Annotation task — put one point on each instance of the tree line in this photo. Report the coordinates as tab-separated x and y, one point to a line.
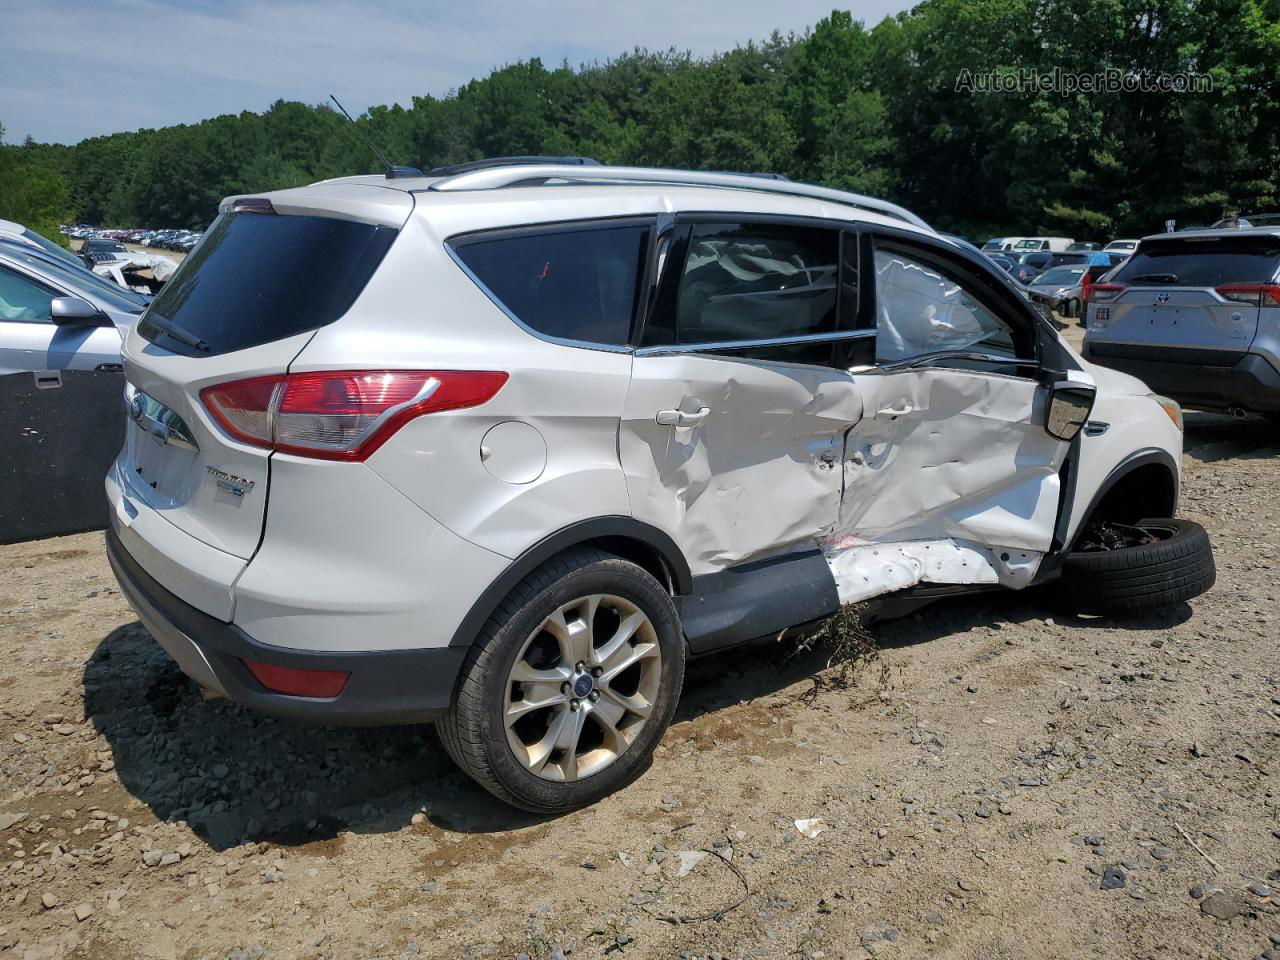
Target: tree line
876	110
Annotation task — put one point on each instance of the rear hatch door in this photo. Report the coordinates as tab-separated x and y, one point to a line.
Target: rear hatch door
1197	298
243	304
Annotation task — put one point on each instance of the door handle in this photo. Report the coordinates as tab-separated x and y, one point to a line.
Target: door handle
900	411
678	418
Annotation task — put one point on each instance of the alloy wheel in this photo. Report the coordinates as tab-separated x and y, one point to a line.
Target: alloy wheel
582	687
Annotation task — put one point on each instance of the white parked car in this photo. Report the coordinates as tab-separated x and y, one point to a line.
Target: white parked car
1035	244
1121	246
504	446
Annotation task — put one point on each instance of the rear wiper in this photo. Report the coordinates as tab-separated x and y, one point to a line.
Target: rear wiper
177	332
1156	278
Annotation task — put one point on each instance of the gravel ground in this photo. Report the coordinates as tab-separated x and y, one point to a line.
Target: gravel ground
1002	782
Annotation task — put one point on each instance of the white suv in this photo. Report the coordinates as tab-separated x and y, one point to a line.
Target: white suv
501	447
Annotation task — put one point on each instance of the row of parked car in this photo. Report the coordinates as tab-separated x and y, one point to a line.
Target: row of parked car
166	239
1056	271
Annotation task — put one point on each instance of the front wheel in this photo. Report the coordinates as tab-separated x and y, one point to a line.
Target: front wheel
1133	568
570	685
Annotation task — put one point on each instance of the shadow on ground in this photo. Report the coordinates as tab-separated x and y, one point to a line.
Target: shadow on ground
1213	436
236	776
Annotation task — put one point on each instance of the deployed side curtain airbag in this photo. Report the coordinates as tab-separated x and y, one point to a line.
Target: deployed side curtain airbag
921	311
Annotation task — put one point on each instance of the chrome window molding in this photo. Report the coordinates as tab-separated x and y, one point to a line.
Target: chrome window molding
925	359
724	345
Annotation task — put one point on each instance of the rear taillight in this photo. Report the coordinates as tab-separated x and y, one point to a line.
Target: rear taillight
244	407
1102	292
341	415
1254	294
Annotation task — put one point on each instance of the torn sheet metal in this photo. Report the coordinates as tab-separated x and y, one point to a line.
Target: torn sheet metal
913	476
122	269
949	478
864	569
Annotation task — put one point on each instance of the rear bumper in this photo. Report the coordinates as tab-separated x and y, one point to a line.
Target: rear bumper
1249	381
385	687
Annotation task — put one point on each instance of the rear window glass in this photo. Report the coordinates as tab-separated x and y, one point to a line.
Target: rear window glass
1202	263
576	284
1061	275
261	277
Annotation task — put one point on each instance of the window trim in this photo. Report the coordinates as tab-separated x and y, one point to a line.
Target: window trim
667	286
985	286
644	272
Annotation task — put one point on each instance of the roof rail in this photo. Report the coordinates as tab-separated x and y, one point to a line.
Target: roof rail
507	175
485	164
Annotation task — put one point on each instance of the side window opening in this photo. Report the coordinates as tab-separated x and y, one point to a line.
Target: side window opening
578	283
757	282
752	284
24	300
923	308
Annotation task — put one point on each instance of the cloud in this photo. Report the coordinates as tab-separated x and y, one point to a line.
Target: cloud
70	72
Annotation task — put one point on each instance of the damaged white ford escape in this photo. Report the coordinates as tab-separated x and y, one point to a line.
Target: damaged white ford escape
502	446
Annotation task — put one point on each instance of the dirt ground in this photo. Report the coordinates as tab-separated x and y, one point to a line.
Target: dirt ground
1005	781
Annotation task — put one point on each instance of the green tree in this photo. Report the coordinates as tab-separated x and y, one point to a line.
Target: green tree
872	110
33	191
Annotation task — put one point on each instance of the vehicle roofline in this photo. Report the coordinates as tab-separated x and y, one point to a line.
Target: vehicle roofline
1216	232
656	181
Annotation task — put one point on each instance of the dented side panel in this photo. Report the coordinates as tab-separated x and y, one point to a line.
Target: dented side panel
949	478
758	474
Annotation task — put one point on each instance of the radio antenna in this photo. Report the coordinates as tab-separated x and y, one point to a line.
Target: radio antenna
392	171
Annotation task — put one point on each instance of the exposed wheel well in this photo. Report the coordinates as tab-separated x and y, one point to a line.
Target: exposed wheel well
1150	490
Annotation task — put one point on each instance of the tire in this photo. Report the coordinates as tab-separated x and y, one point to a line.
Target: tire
528	637
1143	577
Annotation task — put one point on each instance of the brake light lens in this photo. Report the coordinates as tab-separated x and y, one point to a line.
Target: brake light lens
1102	292
342	414
243	408
253	205
1254	294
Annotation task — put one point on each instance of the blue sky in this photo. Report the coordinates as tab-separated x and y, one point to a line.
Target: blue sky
71	69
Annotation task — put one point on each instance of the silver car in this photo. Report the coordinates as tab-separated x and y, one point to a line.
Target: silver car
1061	287
59	316
1196	315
